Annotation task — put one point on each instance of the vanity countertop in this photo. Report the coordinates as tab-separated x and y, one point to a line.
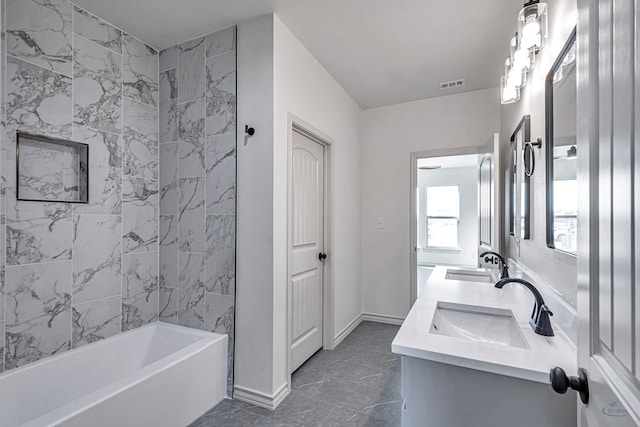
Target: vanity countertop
415	340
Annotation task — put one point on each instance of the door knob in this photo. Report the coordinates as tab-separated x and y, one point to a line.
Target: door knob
322	256
561	383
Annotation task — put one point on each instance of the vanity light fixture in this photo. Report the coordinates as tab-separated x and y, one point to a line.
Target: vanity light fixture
523	47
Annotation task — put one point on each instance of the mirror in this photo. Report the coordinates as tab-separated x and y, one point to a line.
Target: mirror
519	191
561	150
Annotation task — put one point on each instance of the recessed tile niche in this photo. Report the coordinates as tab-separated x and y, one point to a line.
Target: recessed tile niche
51	169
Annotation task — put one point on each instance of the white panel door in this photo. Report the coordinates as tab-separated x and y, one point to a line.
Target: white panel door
609	211
306	228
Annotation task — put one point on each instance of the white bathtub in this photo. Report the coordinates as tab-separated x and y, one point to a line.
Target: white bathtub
157	375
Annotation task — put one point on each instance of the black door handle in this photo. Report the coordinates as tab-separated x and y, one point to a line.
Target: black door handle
322	256
561	383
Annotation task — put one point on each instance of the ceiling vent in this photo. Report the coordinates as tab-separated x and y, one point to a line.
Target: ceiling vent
453	83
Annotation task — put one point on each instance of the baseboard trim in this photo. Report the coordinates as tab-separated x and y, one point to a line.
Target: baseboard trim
365	317
259	398
346	331
391	320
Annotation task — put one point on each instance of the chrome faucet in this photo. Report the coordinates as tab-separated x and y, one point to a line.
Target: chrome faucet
539	321
502	263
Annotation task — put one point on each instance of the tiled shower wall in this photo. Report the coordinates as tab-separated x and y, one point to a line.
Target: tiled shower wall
78	273
198	183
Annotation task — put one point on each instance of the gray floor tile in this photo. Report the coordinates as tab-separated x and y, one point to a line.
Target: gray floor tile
388	361
387	410
356	384
350	394
274	421
302	409
365	420
238	417
307	382
339	416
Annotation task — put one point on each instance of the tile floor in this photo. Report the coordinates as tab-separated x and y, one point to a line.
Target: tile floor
357	384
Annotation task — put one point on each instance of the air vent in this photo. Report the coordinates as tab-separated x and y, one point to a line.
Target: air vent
453	83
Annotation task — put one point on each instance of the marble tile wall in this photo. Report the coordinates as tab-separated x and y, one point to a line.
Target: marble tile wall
197	103
77	273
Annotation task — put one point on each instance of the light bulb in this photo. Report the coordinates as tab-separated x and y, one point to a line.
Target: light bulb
521	59
531	32
558	75
571	56
532	25
515	78
508	93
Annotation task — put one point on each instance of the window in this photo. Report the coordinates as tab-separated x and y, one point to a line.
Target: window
443	216
565	215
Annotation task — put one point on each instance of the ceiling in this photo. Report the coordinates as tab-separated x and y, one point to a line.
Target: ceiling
382	53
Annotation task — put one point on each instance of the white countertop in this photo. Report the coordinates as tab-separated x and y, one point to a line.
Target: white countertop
413	338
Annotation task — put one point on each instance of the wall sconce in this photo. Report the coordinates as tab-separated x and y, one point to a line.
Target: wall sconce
523	47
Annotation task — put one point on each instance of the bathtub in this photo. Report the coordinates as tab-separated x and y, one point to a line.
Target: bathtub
157	375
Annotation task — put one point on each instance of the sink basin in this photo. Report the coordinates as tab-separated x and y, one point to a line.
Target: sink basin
469	275
479	324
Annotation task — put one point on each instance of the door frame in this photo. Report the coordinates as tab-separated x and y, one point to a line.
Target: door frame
413	208
588	183
296	124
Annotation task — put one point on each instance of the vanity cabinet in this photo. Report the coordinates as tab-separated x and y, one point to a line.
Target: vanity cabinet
444	395
469	356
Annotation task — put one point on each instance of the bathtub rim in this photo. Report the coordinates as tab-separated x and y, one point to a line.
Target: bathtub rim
104	341
69	410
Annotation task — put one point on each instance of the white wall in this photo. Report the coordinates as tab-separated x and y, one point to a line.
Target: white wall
557	269
389	135
305	89
466	178
254	262
278	76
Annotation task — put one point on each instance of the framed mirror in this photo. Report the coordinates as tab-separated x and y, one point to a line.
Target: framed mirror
562	150
520	181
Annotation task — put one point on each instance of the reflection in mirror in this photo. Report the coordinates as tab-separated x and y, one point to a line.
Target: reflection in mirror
512	185
562	150
519	195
